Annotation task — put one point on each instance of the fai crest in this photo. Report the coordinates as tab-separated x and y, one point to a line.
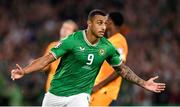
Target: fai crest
101	51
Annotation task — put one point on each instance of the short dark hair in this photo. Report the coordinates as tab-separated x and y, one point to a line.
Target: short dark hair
117	18
95	12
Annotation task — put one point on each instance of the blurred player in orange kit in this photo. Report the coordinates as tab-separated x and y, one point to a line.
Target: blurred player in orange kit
107	84
68	27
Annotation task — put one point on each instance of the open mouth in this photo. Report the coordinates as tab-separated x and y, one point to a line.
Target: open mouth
101	32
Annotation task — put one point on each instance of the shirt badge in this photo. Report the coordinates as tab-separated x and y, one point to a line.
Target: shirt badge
101	51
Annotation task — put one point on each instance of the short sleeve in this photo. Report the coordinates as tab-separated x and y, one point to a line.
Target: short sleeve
114	58
62	47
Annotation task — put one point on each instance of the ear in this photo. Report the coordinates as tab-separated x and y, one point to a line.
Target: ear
89	23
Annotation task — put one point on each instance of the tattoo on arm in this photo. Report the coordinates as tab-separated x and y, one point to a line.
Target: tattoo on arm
128	74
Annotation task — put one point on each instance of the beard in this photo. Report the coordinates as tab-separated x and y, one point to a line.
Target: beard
96	34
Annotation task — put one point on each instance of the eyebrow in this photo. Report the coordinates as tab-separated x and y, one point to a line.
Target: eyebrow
99	20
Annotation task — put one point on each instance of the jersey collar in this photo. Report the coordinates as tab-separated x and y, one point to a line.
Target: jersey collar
86	40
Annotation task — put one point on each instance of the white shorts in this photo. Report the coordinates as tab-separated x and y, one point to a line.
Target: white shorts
79	100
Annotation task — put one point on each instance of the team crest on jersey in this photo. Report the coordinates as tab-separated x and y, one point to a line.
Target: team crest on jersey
58	45
101	51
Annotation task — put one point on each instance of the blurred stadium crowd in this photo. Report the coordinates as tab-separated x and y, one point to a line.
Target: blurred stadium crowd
152	29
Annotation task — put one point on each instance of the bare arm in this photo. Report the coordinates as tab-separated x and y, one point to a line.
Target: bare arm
39	63
48	49
46	69
36	65
128	74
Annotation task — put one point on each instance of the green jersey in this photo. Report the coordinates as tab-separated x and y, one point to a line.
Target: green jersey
80	63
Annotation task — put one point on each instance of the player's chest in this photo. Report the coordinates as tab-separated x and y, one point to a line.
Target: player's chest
90	55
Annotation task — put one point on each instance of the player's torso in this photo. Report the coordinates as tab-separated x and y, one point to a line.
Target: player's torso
87	55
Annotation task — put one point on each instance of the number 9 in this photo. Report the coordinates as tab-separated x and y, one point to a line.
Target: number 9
90	59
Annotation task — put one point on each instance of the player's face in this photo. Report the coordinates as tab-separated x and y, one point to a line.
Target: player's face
98	25
66	29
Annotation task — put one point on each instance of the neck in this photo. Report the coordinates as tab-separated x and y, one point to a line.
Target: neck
113	31
91	37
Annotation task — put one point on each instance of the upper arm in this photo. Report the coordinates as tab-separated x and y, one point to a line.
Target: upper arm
114	59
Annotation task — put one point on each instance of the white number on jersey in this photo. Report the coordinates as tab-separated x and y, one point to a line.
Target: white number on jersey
90	59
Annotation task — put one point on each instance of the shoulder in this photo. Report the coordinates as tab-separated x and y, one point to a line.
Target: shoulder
117	36
106	42
122	37
109	46
118	40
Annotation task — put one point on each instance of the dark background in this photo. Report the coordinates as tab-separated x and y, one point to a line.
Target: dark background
152	29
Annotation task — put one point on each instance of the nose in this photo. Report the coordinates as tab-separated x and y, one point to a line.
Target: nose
104	27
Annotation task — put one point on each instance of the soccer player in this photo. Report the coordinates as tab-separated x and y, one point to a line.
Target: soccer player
82	55
67	28
108	82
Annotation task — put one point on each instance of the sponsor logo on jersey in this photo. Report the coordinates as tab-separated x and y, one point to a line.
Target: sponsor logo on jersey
81	48
87	67
101	51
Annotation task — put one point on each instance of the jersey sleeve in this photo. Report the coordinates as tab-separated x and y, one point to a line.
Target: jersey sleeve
114	58
62	47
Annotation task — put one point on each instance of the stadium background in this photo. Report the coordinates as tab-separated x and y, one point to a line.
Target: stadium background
152	29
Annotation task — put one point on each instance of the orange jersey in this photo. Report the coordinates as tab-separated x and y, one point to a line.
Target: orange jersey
53	65
112	88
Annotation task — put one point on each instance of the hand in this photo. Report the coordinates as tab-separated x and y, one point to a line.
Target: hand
153	86
17	73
